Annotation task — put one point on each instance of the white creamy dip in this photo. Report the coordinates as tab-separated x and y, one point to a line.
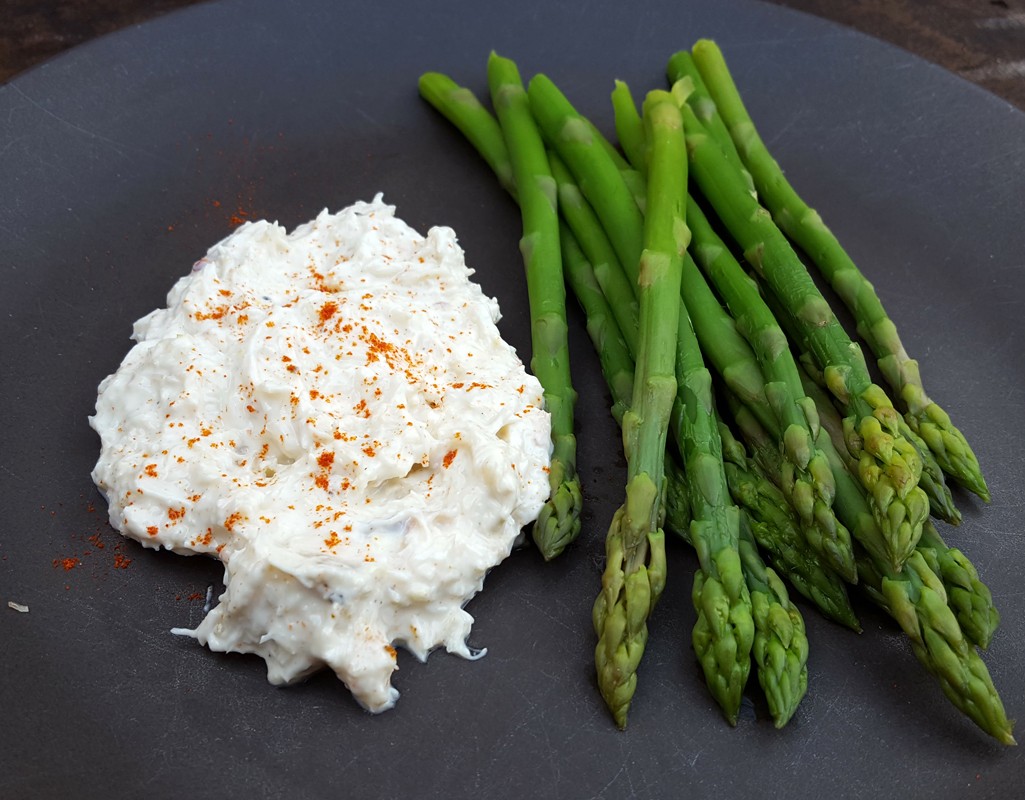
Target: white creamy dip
333	414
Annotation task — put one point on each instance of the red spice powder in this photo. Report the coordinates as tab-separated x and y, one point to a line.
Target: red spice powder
327	311
450	456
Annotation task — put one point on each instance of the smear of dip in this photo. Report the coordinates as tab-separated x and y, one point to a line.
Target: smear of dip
334	415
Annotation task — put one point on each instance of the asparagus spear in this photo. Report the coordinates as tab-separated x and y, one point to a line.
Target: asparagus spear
776	530
600	181
888	465
559	521
723	633
581	219
806	480
969	598
613	352
806	228
916	599
780	643
629	129
932	482
681	66
635	548
461	107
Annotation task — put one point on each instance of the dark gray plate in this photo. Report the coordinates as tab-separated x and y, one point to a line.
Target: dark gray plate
124	160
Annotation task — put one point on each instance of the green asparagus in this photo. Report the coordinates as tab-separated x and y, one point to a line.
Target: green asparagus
559	521
780	643
888	465
806	480
635	548
806	228
776	530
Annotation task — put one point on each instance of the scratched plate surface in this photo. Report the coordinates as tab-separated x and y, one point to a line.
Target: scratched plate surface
122	161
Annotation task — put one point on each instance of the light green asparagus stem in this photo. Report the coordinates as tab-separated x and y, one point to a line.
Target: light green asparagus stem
806	478
579	146
681	66
888	465
629	129
559	521
581	219
941	504
780	642
635	547
806	228
633	178
462	108
776	529
613	352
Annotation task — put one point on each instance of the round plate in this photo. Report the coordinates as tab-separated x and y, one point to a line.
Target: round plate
124	160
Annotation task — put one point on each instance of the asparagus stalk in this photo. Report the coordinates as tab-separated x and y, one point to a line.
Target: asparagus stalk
888	465
559	521
806	479
723	634
617	364
599	179
681	67
724	630
629	128
932	482
461	107
635	549
969	598
806	227
780	642
776	530
916	599
607	270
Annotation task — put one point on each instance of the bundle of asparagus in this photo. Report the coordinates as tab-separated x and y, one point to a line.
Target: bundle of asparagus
751	425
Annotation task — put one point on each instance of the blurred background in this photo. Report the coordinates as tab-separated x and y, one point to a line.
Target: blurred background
983	41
